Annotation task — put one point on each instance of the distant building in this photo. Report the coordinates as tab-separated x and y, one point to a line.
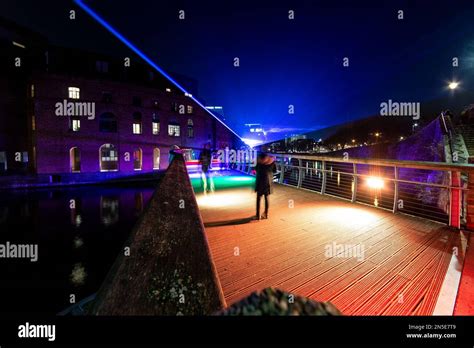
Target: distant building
294	137
254	134
218	111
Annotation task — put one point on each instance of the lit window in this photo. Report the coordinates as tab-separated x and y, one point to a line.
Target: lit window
156	128
109	155
190	109
76	125
32	91
137	123
137	128
168	90
173	130
155	125
137	159
108	158
74	92
33	122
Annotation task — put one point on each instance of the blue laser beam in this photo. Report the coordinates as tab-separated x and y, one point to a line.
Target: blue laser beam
131	46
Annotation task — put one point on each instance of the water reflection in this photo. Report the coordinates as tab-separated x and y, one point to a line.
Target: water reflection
138	203
109	210
3	214
78	274
77	244
75	206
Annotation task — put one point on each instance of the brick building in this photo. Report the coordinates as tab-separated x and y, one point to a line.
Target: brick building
83	112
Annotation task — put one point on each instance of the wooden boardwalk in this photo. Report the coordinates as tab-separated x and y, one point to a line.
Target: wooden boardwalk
366	261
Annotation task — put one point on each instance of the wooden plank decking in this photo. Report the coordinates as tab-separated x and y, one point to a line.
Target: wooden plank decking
399	269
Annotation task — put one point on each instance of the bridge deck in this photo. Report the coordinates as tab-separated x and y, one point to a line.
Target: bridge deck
399	269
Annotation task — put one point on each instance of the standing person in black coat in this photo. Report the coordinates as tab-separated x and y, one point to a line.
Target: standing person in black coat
264	181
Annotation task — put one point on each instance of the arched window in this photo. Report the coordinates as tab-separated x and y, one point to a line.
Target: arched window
137	159
156	158
190	128
108	123
75	160
108	157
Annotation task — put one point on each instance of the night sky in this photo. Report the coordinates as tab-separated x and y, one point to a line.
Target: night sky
282	62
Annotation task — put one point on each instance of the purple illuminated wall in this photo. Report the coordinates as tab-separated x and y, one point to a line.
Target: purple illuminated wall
54	139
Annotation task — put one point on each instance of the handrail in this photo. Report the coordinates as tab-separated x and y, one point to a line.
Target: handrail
438	199
462	167
383	177
139	283
448	128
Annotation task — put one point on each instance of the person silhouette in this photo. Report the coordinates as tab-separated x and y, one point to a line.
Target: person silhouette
264	182
205	159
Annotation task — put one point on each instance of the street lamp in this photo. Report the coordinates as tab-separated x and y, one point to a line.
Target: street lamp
375	182
453	85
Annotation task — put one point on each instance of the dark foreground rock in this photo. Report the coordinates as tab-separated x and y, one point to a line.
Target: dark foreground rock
276	302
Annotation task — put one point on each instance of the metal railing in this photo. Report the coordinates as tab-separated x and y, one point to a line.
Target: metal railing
430	190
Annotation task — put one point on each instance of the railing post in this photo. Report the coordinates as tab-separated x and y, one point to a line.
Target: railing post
470	201
455	200
282	170
354	192
300	173
395	189
323	185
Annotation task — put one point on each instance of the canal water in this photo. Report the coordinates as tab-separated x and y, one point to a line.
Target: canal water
79	232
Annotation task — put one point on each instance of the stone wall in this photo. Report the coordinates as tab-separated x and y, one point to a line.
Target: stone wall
170	270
